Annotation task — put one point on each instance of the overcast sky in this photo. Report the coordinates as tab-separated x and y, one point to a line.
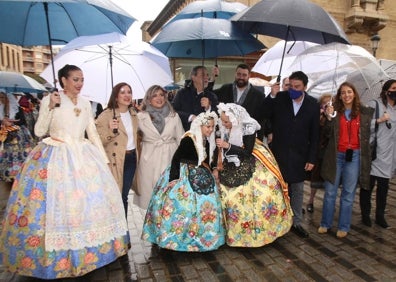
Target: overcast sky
142	10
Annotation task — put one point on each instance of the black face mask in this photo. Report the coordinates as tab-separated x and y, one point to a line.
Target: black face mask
392	95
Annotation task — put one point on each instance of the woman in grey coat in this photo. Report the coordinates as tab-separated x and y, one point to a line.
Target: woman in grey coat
383	167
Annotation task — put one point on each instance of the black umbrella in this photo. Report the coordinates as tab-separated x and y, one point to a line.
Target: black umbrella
291	20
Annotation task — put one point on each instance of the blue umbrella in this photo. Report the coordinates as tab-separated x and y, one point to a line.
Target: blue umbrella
291	20
17	82
203	38
29	23
215	9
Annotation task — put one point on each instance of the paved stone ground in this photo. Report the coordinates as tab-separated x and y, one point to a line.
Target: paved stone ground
366	254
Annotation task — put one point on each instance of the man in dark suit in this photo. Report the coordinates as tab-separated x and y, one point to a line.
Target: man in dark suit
194	98
241	92
294	116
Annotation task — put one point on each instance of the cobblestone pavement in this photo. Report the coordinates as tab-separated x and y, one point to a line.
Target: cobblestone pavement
366	254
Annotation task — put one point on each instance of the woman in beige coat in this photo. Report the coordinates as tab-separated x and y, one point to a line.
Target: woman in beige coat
161	130
117	127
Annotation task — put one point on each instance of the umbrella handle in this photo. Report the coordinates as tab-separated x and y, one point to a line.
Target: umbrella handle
54	89
115	130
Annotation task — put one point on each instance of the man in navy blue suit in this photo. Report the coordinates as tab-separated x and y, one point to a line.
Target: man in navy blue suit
294	117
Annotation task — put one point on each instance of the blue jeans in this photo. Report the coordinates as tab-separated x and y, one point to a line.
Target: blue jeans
129	173
348	174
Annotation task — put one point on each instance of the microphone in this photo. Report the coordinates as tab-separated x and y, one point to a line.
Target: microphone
220	152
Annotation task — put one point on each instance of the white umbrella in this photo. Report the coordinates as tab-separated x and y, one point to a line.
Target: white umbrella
269	63
112	60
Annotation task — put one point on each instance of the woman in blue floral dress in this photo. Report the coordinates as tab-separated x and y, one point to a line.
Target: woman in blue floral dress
184	213
64	216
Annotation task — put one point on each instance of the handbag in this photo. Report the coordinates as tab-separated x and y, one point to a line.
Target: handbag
373	144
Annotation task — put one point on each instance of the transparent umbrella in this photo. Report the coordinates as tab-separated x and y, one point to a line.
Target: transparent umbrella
270	62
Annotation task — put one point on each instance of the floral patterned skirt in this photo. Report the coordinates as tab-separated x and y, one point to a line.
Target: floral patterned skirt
259	211
86	208
13	153
182	218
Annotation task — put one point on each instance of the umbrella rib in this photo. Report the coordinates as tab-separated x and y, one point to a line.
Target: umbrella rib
25	27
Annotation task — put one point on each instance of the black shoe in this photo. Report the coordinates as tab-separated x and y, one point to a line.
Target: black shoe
310	208
300	231
382	222
366	221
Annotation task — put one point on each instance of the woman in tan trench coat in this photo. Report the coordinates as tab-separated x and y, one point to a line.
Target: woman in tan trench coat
161	130
117	128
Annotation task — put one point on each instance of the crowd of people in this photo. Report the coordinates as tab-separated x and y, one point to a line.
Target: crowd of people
211	167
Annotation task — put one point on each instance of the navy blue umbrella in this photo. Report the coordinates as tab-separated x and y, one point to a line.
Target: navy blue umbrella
215	9
291	20
204	38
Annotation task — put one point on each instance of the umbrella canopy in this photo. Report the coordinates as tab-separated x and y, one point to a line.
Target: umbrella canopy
331	57
215	9
368	82
17	82
389	66
26	21
331	64
44	22
270	62
114	59
204	38
291	20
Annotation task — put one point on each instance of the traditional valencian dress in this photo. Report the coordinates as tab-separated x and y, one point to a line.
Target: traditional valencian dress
16	142
65	215
253	193
184	213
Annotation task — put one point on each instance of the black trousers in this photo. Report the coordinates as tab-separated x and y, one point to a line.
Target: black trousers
382	193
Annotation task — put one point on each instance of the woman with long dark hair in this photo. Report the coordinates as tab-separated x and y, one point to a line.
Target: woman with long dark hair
346	159
117	128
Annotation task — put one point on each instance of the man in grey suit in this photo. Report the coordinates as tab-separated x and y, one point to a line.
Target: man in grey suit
294	116
243	93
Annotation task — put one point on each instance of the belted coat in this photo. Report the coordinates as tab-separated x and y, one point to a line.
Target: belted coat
115	144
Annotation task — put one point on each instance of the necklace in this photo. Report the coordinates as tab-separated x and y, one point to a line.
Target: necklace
77	111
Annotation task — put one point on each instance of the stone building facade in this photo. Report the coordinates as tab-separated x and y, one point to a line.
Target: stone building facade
360	19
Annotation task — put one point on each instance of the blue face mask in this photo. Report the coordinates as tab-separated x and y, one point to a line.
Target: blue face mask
294	94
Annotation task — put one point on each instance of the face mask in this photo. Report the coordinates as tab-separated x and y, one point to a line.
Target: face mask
392	95
294	94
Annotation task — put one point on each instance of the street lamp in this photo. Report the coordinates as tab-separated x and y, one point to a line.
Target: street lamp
375	39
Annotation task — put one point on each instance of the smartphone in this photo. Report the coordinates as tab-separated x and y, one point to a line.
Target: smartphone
348	155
